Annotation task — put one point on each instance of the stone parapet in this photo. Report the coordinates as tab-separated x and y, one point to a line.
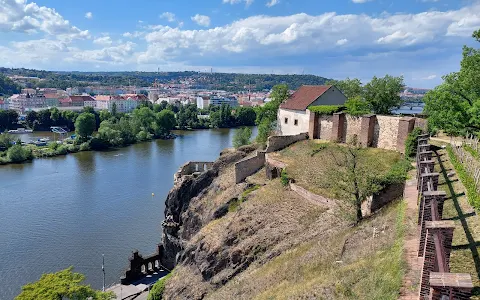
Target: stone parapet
338	123
367	130
405	126
446	285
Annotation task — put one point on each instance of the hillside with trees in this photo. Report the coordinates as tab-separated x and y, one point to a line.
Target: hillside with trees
222	81
7	86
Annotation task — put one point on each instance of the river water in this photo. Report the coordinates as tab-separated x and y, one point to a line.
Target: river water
69	210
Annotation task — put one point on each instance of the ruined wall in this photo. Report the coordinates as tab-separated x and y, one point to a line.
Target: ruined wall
192	167
352	126
326	125
386	132
311	196
249	166
279	142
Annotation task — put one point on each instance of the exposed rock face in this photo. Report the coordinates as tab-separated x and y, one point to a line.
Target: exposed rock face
188	222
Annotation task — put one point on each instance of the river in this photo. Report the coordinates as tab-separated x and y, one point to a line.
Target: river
69	210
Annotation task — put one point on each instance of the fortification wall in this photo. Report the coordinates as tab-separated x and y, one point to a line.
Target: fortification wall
311	196
386	132
326	125
191	167
352	126
279	142
249	166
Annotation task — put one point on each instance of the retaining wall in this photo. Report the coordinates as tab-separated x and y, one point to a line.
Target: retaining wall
249	166
192	167
311	196
279	142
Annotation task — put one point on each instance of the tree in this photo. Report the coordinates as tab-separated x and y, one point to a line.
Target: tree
18	153
85	124
267	115
31	117
454	106
61	285
245	116
55	116
6	141
114	109
242	137
105	115
383	94
7	86
357	106
351	88
166	120
351	180
8	119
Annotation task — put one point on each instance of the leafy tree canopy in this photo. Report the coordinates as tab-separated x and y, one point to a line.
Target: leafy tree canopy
85	124
383	94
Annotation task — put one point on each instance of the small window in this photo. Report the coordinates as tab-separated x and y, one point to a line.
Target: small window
295	122
286	120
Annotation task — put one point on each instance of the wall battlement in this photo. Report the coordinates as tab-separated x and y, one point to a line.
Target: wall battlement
192	168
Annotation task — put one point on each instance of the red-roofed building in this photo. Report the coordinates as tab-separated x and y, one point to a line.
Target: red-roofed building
293	115
80	100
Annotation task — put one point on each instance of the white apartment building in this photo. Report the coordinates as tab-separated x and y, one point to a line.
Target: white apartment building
25	102
124	104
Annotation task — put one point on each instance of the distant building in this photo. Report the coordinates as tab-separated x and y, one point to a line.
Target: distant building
25	102
52	100
203	102
217	101
293	115
80	100
3	104
124	103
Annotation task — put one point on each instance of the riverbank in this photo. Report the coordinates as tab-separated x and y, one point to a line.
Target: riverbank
29	152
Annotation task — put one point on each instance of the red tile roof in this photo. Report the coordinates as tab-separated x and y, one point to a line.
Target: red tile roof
81	98
304	96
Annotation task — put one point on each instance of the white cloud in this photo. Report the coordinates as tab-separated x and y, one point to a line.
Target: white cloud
430	77
247	2
272	3
170	17
342	42
20	16
360	1
105	41
89	15
201	20
132	35
303	33
119	54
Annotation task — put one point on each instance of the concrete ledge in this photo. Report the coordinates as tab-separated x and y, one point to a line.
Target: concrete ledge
311	196
279	142
454	280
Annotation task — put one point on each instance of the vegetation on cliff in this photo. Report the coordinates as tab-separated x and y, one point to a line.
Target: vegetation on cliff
259	240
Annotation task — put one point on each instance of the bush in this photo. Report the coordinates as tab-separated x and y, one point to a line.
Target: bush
85	146
411	142
17	153
326	109
61	150
242	137
284	178
156	293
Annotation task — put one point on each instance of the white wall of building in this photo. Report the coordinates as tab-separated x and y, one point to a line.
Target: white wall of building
286	121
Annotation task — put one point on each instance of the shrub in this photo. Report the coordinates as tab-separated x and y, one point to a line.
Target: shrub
411	142
61	150
284	178
156	293
326	109
242	137
85	146
17	153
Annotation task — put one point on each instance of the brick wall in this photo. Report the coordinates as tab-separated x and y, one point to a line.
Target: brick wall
249	166
279	142
387	195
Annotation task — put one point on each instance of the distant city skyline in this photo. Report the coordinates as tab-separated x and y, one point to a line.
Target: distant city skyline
420	39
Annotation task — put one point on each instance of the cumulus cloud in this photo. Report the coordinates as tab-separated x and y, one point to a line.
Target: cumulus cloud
105	41
247	2
170	17
132	35
201	20
430	77
20	16
89	15
303	33
360	1
119	54
272	3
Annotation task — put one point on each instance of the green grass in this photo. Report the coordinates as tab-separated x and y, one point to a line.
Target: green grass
466	237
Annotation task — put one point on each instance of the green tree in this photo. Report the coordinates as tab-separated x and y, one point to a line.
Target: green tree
61	285
105	115
166	120
85	124
114	109
6	141
242	137
351	180
8	119
357	106
18	153
383	94
31	117
351	88
267	115
7	86
454	106
55	116
245	116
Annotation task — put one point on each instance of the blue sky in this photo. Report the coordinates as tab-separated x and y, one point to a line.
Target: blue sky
419	39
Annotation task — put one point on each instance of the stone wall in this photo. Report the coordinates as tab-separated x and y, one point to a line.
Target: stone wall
326	124
386	132
279	142
311	196
249	166
192	167
352	126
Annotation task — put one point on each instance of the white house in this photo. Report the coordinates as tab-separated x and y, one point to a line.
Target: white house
293	116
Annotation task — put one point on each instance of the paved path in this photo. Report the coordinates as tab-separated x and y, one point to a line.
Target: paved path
409	290
137	290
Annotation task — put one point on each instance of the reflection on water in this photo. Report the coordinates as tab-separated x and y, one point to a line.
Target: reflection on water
70	210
